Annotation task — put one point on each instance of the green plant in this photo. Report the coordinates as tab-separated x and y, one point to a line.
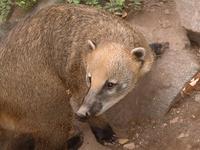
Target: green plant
74	1
5	7
26	4
87	2
91	2
115	5
137	4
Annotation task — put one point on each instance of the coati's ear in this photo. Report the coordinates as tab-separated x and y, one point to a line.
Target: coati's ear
139	53
92	44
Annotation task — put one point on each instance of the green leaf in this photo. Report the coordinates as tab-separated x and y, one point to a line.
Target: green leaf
5	7
76	1
120	2
26	4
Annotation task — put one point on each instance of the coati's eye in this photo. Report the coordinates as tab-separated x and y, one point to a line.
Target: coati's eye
90	78
110	85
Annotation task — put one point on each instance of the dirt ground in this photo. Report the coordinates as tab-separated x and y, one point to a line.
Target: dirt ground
178	129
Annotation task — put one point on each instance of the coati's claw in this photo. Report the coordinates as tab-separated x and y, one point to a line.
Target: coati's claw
75	142
104	136
111	141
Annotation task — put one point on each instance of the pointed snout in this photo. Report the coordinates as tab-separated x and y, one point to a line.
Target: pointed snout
83	114
90	107
81	117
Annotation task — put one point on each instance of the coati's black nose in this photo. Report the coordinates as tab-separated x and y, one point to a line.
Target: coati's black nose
81	117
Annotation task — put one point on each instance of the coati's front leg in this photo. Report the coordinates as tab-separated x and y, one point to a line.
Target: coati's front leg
11	140
103	132
22	142
75	139
75	142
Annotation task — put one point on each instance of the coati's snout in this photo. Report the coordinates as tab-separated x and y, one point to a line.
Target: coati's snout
90	107
111	73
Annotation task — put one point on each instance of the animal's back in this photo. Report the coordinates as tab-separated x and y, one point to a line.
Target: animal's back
33	97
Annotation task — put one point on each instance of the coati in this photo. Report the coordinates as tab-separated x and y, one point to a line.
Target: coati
67	53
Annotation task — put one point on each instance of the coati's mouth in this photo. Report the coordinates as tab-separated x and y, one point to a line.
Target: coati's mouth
87	111
82	118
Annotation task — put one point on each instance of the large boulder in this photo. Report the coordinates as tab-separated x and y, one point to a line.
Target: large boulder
189	12
158	90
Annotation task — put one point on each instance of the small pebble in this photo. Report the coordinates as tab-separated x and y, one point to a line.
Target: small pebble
123	141
182	135
164	125
175	120
129	146
137	135
193	116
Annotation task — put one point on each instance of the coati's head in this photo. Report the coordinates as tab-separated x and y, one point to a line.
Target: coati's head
111	73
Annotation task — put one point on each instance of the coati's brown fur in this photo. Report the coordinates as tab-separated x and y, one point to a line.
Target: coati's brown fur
42	67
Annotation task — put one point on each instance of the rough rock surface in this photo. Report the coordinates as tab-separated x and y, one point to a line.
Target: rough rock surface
155	93
189	12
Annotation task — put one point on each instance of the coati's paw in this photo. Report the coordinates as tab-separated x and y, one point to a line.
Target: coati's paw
104	135
75	142
22	142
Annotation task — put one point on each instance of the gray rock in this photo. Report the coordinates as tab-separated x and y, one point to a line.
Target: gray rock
189	12
155	93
